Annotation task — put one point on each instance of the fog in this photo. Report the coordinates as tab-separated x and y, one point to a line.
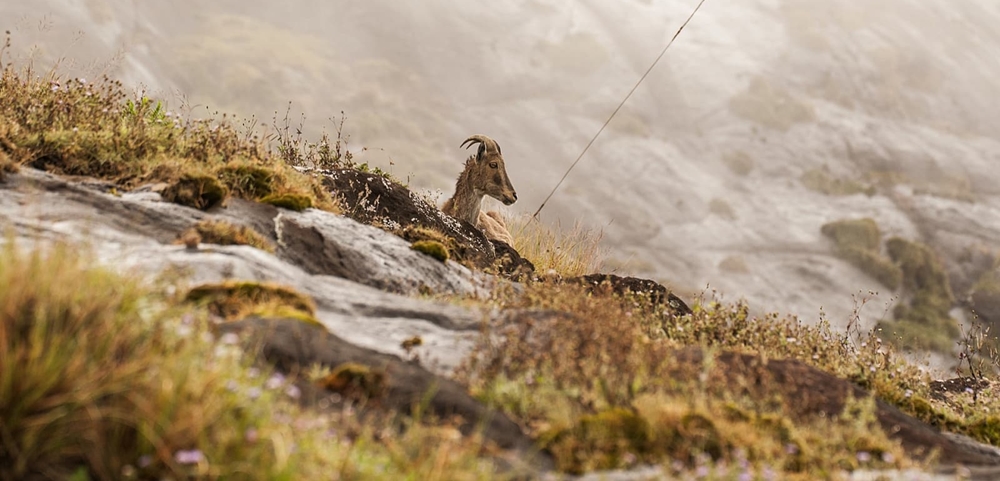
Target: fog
707	178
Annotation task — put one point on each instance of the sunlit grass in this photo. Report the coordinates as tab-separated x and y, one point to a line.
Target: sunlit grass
550	248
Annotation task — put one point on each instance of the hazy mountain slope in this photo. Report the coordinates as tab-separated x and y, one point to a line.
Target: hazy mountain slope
698	181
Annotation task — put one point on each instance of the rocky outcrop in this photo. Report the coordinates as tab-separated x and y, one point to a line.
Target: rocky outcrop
343	265
377	200
356	273
657	293
294	346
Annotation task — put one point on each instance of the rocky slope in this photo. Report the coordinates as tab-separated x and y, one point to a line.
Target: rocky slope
357	274
704	177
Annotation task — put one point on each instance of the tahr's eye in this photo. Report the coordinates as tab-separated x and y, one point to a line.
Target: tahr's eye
493	165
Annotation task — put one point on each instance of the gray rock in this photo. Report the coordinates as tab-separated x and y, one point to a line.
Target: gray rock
135	231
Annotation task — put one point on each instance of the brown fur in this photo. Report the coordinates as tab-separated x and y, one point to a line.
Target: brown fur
484	174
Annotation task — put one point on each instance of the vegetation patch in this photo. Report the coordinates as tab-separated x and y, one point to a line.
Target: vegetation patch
858	242
570	253
434	249
924	321
104	378
221	232
355	381
75	127
739	162
232	300
822	181
770	105
198	191
605	386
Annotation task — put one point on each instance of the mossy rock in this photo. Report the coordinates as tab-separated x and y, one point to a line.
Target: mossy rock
235	299
858	242
919	333
296	202
355	381
248	181
986	297
874	265
434	249
922	271
221	232
854	233
923	323
820	180
196	190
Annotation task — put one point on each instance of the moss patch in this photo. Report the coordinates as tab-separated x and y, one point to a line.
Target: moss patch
434	249
296	202
858	242
236	299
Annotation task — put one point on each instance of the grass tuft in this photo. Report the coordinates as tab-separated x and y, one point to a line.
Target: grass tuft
220	232
198	191
232	300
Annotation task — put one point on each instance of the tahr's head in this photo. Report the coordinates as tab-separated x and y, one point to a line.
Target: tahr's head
488	174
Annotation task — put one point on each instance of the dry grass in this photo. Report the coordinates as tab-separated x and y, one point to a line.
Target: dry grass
103	378
599	388
75	127
215	231
550	249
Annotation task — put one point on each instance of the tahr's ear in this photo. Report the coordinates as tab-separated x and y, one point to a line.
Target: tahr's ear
481	153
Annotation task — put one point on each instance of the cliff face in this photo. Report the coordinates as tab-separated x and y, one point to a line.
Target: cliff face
765	121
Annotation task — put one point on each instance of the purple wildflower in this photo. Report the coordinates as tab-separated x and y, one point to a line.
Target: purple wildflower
190	456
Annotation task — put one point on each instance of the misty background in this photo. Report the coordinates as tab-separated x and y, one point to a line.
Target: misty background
764	121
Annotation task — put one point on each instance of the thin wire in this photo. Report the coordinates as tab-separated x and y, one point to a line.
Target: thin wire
606	122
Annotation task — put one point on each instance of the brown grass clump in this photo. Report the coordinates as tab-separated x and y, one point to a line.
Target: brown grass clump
233	300
74	127
220	232
568	254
